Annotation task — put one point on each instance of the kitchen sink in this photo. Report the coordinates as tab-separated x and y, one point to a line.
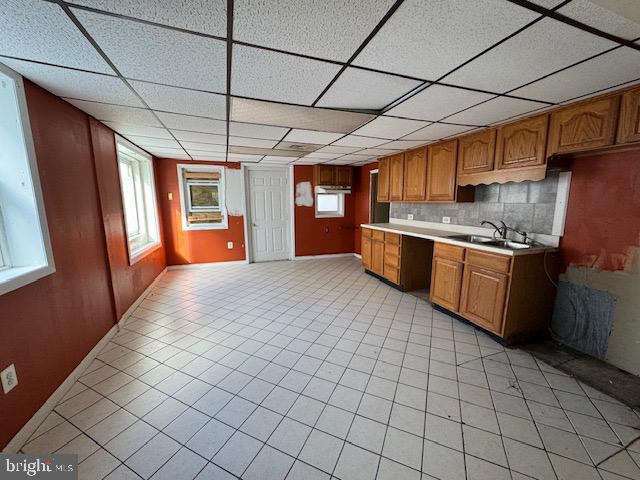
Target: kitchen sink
491	242
473	238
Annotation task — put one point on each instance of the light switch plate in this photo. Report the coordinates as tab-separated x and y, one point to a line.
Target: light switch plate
446	219
9	378
410	216
230	245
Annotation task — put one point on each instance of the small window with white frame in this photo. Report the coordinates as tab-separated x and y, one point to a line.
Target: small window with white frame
329	204
25	247
138	199
202	197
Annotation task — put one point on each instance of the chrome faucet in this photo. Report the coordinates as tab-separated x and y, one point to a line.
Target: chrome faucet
502	230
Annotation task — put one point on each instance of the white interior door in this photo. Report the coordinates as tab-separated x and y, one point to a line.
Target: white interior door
269	214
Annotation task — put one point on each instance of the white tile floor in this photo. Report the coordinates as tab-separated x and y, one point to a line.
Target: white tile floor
313	370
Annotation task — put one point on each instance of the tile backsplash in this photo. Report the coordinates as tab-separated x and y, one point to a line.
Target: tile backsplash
527	206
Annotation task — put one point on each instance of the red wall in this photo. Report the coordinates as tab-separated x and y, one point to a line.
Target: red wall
361	190
319	236
603	214
129	281
194	246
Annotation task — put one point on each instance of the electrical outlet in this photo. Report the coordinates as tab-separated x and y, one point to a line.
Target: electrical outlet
170	195
410	216
446	219
9	378
230	245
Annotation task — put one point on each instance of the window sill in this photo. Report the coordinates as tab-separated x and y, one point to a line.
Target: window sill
14	278
221	226
136	255
329	215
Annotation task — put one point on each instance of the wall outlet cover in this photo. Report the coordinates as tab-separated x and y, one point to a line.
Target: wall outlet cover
446	219
9	378
230	245
410	216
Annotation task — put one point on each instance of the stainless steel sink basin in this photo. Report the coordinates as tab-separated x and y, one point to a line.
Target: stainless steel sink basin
492	242
509	244
472	238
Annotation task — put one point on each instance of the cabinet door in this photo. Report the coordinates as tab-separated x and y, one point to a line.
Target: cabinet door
584	126
377	256
323	175
396	177
446	282
629	123
483	297
441	177
365	251
383	180
522	144
415	175
476	152
342	176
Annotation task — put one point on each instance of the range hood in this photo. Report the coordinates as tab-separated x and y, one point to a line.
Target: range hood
333	189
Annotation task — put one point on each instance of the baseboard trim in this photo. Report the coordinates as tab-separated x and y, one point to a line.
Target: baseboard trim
43	412
328	255
198	266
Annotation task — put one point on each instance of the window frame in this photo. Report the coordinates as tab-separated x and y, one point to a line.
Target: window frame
17	274
147	239
185	197
191	207
339	213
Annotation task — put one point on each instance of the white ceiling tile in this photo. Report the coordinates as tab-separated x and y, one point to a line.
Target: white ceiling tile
340	161
299	146
141	130
310	136
203	147
613	68
238	157
402	144
208	156
195	124
309	27
76	84
429	40
181	100
276	159
252	142
357	141
37	30
541	49
164	152
199	137
436	102
157	54
256	131
173	156
361	89
376	151
153	142
323	155
338	149
116	113
294	116
354	157
593	13
389	127
305	161
204	16
500	108
277	76
436	131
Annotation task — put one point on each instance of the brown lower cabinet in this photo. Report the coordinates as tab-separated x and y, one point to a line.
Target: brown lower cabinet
509	296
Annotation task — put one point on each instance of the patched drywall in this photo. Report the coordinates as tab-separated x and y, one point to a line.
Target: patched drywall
233	191
304	194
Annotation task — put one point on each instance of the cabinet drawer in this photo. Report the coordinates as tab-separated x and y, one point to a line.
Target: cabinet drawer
392	273
452	252
490	261
392	238
378	235
366	232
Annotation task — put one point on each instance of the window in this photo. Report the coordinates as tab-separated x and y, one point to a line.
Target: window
202	197
25	248
329	204
139	200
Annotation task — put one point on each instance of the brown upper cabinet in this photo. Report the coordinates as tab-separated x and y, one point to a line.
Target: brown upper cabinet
476	152
522	144
383	180
584	126
330	175
415	175
396	177
441	172
629	122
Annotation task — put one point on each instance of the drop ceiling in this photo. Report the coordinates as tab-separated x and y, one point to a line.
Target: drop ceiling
308	82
